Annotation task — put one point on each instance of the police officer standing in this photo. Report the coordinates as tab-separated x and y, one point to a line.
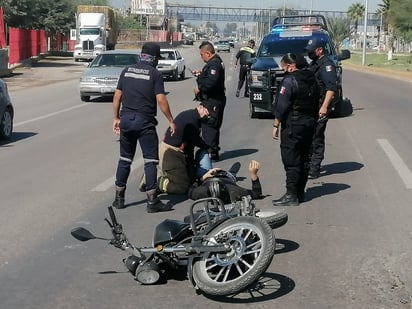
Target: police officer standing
139	90
244	56
325	72
211	87
296	111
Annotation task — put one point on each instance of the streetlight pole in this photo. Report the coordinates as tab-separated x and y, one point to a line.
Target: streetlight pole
365	28
311	6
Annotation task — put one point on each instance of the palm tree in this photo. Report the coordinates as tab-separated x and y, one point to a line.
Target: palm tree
384	11
339	30
355	13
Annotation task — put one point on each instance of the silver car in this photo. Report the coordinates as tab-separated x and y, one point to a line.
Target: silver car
101	75
6	112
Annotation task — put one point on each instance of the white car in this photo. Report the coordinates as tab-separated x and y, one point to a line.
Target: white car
171	64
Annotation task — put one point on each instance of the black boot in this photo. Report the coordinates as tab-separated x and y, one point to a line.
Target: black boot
288	199
154	204
119	198
301	196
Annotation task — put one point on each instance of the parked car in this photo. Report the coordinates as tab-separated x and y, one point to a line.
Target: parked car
6	112
223	46
101	75
171	64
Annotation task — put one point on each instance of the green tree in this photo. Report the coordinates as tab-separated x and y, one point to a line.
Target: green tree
51	15
130	22
356	11
399	18
339	30
229	29
384	10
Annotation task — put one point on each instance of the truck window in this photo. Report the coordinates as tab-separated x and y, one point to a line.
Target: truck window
89	31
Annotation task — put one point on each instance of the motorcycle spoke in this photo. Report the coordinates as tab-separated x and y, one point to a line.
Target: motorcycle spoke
227	273
240	271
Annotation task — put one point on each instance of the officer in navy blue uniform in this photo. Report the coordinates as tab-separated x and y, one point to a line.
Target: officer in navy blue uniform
295	108
140	90
325	72
211	87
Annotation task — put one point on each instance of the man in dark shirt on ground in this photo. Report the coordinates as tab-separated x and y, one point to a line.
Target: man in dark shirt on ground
179	167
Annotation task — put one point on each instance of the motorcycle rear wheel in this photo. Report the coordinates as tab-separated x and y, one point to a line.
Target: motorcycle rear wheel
252	246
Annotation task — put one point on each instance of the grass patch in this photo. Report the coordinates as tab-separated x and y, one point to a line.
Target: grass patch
400	62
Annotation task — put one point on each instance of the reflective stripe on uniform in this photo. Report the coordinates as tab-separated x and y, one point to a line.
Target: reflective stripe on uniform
126	159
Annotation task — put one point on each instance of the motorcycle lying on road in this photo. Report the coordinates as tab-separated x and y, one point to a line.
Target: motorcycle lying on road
224	248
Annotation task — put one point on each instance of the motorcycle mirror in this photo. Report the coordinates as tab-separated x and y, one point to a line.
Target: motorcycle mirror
82	234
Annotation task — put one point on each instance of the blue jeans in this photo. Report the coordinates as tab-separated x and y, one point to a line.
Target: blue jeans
203	163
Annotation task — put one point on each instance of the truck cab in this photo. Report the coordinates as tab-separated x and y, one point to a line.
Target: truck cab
91	36
289	34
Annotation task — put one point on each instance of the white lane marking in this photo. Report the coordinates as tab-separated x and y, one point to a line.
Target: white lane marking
51	114
397	162
108	183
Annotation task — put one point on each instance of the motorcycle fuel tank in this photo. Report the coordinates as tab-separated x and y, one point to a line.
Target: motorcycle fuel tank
169	230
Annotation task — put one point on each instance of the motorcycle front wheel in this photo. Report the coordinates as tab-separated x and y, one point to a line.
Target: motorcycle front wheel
252	246
274	218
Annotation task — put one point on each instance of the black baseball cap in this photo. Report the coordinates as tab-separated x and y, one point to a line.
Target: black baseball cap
313	44
152	49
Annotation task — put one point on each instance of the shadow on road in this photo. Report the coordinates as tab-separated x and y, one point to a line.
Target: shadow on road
325	189
285	245
270	286
17	136
340	168
236	153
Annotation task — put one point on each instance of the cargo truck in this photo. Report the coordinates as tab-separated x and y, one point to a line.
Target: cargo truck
96	31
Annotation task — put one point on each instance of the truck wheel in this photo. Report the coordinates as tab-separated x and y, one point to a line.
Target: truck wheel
252	112
183	74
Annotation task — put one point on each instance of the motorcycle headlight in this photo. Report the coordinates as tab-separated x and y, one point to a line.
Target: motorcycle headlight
258	78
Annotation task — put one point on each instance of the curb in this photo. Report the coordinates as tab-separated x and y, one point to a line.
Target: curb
404	76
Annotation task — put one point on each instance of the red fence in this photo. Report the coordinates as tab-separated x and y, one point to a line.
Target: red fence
24	44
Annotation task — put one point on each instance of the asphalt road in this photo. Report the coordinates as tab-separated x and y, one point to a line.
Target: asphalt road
348	246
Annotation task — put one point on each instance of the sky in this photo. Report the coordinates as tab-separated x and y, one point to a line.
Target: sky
317	5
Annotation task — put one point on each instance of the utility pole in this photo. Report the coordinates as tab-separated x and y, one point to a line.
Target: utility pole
365	28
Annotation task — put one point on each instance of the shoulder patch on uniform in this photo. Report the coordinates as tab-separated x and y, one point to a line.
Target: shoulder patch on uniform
329	68
213	72
282	90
